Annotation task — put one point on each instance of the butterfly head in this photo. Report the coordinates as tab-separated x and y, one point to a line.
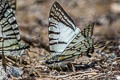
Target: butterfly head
51	60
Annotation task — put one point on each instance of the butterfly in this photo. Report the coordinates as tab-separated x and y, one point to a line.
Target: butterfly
65	39
10	41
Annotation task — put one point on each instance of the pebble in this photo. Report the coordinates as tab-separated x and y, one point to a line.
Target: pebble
10	71
115	7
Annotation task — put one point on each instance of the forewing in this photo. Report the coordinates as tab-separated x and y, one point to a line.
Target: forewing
61	29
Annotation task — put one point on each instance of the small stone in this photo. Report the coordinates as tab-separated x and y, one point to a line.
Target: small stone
114	63
10	71
119	47
115	7
118	77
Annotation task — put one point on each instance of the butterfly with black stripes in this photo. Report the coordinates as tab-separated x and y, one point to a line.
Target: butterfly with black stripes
65	39
10	41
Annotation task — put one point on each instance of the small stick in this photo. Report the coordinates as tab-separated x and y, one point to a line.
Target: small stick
3	56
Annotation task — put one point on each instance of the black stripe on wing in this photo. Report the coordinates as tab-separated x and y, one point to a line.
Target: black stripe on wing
51	24
52	51
8	29
8	38
52	39
58	14
57	43
53	32
20	48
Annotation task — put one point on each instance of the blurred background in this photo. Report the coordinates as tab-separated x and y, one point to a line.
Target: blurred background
32	17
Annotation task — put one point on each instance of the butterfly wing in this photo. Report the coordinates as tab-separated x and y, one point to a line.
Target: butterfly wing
88	31
82	43
12	4
62	29
9	32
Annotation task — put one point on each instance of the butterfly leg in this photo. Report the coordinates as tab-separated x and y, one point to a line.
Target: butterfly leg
28	54
25	58
87	54
73	68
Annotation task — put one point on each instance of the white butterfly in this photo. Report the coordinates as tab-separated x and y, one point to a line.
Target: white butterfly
65	39
10	41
